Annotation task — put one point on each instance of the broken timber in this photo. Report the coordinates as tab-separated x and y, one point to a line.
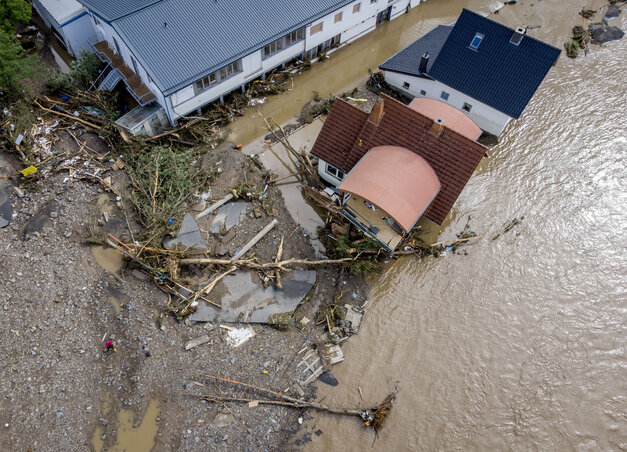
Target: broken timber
255	239
248	263
374	417
214	206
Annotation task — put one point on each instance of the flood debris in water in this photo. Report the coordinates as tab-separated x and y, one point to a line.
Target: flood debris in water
509	226
374	418
595	32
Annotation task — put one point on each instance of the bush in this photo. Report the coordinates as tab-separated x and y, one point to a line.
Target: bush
82	74
85	70
15	64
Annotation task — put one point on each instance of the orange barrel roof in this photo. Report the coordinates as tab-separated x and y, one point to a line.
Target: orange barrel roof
454	119
396	180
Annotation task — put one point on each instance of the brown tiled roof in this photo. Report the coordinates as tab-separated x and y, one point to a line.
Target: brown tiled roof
348	134
339	133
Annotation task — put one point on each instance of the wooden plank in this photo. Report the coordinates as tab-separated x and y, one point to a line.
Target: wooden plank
255	239
214	206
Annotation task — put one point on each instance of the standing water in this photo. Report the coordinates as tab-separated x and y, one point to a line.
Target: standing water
520	344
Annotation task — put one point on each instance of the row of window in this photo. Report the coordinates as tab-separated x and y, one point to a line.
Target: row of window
223	74
283	43
338	18
443	95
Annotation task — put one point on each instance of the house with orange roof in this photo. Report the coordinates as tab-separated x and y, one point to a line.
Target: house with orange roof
394	165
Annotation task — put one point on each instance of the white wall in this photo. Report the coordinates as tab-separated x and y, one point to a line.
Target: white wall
322	167
489	119
184	101
79	34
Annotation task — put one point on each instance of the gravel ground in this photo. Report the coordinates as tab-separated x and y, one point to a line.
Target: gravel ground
61	391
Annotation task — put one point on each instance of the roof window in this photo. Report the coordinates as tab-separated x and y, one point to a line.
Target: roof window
474	44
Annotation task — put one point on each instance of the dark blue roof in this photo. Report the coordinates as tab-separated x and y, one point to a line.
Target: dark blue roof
407	60
500	74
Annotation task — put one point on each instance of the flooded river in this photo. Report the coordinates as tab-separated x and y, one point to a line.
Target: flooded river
519	345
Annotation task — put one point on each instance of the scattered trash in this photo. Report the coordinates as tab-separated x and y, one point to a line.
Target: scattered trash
239	336
29	170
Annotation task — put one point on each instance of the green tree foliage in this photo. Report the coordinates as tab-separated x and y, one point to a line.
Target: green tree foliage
15	63
14	12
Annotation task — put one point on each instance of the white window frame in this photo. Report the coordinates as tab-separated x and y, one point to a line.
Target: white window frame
335	172
478	36
205	83
230	70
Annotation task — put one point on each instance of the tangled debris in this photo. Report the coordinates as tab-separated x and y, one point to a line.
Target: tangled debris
373	418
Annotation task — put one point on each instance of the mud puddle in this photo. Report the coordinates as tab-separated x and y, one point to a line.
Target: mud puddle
131	437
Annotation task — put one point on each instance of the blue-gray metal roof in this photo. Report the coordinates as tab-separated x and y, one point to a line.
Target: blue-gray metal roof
407	61
111	10
181	41
499	74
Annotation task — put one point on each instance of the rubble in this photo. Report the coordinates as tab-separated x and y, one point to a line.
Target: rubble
188	237
243	298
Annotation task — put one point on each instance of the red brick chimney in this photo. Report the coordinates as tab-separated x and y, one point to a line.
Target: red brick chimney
377	112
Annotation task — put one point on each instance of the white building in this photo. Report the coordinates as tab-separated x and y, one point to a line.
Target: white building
70	23
185	54
483	68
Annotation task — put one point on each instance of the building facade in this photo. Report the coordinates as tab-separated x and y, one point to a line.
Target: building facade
191	53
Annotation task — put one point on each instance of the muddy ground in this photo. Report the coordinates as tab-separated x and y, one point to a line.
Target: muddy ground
61	391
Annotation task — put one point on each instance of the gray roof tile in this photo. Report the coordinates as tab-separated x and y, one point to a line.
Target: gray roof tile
407	60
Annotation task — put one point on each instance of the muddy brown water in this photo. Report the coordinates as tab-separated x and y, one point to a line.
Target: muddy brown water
519	345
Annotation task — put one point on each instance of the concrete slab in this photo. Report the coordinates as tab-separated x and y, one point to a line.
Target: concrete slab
228	216
188	236
244	299
41	219
6	212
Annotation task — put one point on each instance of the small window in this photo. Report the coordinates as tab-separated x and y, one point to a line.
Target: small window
338	17
315	29
444	95
333	171
230	70
474	44
423	92
96	21
150	80
204	83
356	8
373	1
467	106
405	85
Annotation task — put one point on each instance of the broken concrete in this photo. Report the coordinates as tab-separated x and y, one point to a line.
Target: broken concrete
41	219
244	299
188	236
612	11
6	213
228	216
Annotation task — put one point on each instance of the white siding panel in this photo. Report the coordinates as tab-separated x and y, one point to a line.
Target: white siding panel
489	119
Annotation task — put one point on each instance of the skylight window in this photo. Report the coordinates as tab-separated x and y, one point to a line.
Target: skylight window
474	44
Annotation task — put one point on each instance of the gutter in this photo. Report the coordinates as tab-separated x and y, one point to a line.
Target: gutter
67	22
